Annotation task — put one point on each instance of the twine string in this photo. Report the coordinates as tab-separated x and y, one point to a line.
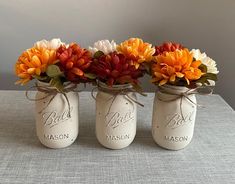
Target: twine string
52	92
115	93
186	95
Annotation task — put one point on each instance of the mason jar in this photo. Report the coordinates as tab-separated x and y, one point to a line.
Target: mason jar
115	115
57	120
174	113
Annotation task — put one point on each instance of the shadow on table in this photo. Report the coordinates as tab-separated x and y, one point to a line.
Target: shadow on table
144	139
88	142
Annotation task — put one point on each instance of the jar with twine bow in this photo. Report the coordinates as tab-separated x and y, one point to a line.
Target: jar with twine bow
56	114
174	114
117	69
180	74
57	68
116	115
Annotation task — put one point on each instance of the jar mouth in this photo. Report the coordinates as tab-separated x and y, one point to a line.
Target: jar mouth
173	89
114	87
47	84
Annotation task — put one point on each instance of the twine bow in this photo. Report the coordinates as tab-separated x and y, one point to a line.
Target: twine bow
205	90
117	92
52	92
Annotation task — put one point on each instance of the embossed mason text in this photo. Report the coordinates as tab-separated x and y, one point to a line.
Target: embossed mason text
117	137
56	137
176	138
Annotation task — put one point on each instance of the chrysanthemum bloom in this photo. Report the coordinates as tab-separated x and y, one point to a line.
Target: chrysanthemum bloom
172	66
167	47
33	62
51	44
207	61
74	62
137	50
114	69
103	45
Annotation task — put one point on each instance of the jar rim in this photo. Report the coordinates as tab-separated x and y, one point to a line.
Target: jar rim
114	87
47	84
173	87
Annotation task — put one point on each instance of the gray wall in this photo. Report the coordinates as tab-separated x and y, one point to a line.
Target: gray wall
205	24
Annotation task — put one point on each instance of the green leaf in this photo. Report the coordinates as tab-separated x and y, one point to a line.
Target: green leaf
53	71
147	67
203	68
205	78
211	76
98	54
202	80
90	75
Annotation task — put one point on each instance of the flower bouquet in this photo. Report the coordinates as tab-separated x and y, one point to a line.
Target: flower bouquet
57	69
117	69
180	74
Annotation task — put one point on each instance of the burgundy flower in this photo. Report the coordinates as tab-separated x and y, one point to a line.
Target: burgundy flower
115	69
74	62
167	47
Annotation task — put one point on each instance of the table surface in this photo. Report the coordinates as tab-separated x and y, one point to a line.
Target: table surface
210	158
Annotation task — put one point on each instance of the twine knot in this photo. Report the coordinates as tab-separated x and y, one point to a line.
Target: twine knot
205	90
118	91
52	92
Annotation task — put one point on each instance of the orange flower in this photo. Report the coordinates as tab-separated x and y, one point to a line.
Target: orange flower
175	65
33	62
137	50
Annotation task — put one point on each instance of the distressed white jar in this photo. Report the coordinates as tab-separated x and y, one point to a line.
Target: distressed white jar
173	117
115	116
55	128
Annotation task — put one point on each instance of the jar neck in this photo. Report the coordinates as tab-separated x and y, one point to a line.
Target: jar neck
47	85
115	88
173	89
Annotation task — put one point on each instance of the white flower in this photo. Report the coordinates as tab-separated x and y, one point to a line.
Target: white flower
52	44
103	45
210	63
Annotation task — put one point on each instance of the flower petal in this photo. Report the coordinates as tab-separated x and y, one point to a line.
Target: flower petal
162	82
36	61
38	71
172	78
179	74
77	71
31	70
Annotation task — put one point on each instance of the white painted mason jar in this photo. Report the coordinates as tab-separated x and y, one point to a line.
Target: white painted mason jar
173	117
56	123
115	115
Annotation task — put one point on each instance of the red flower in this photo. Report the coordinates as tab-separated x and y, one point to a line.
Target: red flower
74	62
114	69
167	47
